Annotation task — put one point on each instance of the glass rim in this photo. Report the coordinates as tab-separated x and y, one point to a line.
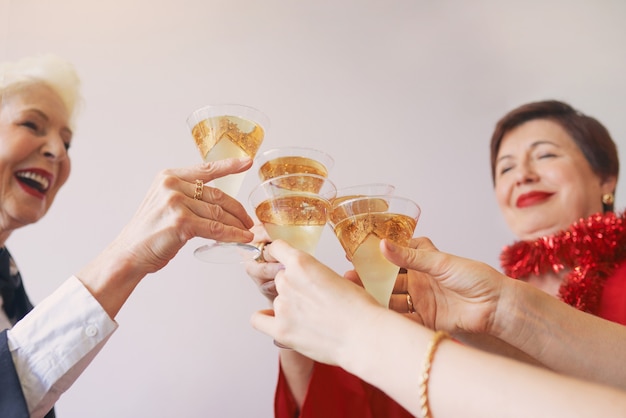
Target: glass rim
229	109
355	186
380	196
264	157
283	176
329	196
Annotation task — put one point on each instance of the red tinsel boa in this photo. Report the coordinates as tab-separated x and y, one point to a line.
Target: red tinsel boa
590	250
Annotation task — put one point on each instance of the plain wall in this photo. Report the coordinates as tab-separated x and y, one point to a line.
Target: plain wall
399	91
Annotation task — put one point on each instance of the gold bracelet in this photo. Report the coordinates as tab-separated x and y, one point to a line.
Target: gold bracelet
428	362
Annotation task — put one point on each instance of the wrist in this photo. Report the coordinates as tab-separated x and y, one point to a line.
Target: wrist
519	314
111	277
359	342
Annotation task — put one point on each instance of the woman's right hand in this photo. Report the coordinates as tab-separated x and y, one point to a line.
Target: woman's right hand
169	216
316	309
448	292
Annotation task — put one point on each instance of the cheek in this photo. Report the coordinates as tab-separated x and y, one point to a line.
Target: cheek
563	172
502	192
64	174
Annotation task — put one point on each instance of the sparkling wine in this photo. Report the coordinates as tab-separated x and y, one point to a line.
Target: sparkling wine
360	236
280	166
223	137
362	206
302	237
298	219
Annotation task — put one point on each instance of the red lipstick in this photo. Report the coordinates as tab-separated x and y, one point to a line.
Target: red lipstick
532	198
34	181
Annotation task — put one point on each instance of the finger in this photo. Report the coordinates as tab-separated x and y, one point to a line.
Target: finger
353	277
423	243
265	322
401	303
260	233
268	289
422	258
215	204
401	285
212	170
262	272
266	256
218	231
283	252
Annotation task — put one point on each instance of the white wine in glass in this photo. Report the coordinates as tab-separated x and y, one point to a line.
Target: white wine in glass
228	131
293	160
220	132
294	208
361	223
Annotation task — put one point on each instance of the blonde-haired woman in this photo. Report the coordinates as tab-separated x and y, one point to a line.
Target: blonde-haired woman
39	97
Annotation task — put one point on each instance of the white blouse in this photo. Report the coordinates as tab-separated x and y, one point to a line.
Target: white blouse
56	341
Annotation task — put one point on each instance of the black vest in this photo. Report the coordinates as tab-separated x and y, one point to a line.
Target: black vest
16	305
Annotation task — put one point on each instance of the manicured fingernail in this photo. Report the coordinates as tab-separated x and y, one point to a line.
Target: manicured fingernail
391	246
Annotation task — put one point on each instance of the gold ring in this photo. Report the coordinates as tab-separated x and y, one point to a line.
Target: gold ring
199	189
409	303
260	258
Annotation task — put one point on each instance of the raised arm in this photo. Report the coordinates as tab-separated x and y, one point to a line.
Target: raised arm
168	217
296	368
471	297
388	350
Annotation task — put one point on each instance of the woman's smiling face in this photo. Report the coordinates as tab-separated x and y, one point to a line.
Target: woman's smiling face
34	163
543	182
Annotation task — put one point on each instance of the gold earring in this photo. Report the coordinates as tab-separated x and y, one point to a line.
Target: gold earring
608	198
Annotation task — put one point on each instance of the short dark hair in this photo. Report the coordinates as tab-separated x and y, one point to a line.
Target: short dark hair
591	137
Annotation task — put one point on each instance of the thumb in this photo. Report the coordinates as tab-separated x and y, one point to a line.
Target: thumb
264	321
424	260
221	168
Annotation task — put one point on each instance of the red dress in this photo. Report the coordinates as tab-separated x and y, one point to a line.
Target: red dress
335	393
613	303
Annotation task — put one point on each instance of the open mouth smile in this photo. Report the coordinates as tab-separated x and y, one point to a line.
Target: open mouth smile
34	180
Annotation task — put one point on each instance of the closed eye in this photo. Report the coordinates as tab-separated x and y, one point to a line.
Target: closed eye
504	169
30	125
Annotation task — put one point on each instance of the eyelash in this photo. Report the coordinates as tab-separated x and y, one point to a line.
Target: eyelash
35	127
30	125
504	170
541	156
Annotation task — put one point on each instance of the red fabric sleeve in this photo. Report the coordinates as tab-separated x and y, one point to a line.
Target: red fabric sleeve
284	404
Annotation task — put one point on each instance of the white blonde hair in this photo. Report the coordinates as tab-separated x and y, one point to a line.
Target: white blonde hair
49	69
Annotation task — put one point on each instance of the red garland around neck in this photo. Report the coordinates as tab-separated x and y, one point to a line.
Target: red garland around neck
589	250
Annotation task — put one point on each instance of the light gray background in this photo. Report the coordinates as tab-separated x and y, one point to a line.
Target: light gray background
398	91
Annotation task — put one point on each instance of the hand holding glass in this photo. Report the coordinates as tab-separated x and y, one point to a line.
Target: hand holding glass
361	223
220	132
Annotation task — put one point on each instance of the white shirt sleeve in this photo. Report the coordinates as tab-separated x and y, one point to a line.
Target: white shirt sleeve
56	341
